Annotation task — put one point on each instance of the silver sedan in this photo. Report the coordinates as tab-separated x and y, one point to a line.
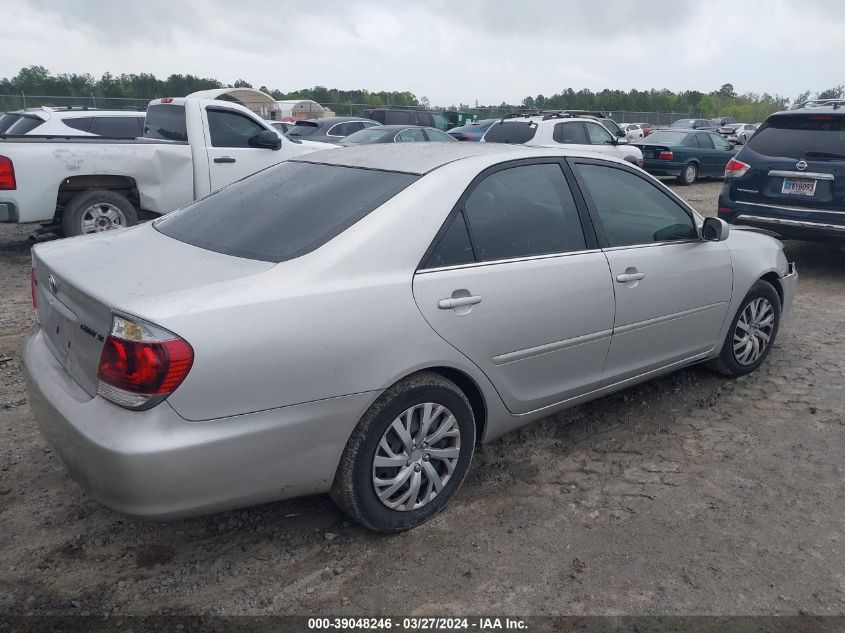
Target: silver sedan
355	321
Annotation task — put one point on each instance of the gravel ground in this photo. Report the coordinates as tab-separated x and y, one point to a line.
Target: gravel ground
691	494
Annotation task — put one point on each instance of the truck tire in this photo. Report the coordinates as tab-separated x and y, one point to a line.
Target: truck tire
96	210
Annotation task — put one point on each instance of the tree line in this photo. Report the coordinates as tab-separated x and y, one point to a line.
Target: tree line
37	80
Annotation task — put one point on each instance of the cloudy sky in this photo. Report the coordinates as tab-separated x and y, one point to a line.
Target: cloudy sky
447	50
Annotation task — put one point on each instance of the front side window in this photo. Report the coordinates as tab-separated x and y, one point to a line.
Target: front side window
437	136
441	122
293	208
598	135
411	135
633	211
231	129
719	142
523	211
570	133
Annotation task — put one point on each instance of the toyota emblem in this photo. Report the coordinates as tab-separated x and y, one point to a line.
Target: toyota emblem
54	285
801	165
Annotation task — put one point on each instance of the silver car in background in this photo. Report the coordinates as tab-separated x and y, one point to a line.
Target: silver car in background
354	321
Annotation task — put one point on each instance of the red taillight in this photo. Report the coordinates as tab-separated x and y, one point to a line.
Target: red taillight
33	287
141	363
7	174
736	168
166	100
665	155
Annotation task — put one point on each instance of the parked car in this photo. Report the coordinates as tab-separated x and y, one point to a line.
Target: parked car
632	131
722	121
790	176
554	130
77	122
406	116
191	147
397	134
329	129
648	128
738	133
694	124
472	131
686	154
200	346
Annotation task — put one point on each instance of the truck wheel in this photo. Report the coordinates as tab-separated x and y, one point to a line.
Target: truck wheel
689	175
97	210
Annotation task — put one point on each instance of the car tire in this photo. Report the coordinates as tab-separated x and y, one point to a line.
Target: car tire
689	174
97	210
761	303
354	488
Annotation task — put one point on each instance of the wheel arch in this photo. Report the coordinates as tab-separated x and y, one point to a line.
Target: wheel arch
74	185
773	278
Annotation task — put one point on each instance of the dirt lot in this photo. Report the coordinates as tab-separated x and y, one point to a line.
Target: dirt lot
690	494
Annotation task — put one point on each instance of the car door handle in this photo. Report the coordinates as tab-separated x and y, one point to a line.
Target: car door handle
626	277
224	159
457	302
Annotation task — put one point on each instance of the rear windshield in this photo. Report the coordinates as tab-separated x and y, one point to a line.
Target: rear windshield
166	122
511	132
683	123
6	120
284	211
24	125
816	136
303	129
665	138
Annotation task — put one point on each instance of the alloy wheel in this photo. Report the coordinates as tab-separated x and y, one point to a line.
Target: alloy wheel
102	216
416	456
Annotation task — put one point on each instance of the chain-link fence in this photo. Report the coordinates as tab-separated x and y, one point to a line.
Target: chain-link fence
18	101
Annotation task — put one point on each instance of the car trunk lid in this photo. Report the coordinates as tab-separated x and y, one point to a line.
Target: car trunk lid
80	282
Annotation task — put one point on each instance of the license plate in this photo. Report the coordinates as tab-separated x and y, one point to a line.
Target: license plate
798	187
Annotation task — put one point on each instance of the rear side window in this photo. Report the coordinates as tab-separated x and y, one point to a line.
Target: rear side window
304	129
166	122
284	211
524	211
598	135
231	129
24	125
400	118
570	133
515	132
454	247
125	126
815	137
704	140
81	123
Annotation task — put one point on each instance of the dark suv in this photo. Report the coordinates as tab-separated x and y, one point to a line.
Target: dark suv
403	116
790	176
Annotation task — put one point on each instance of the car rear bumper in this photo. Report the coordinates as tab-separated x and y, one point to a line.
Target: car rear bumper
155	464
788	222
8	211
663	167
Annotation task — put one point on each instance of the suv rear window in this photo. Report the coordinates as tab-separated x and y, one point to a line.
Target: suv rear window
24	125
166	122
283	212
813	136
516	132
6	121
303	128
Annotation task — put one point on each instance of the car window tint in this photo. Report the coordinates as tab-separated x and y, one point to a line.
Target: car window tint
632	210
292	209
125	126
572	132
437	136
704	140
523	211
515	132
598	135
231	129
412	135
813	137
80	123
454	247
166	122
441	122
24	125
719	142
691	140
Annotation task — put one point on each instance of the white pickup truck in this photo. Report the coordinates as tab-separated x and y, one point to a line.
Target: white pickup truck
191	147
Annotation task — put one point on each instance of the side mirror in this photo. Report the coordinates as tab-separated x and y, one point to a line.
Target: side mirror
267	139
715	230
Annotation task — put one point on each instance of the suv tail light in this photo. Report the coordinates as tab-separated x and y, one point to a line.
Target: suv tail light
665	155
141	364
7	174
736	168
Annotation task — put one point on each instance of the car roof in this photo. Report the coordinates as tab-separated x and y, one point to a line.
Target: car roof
422	158
338	119
389	128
